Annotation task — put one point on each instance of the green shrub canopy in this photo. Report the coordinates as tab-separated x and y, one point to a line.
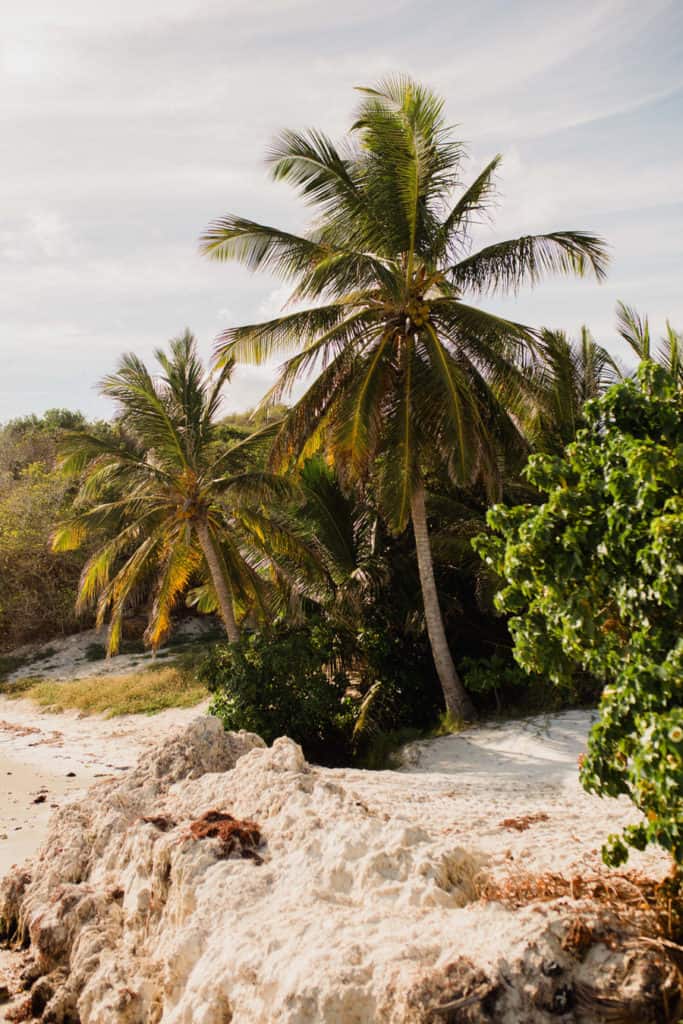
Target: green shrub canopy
592	580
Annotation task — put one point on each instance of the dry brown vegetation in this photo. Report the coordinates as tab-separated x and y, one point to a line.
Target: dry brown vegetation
135	693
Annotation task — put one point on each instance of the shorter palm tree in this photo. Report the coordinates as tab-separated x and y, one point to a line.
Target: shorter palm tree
569	373
172	504
635	330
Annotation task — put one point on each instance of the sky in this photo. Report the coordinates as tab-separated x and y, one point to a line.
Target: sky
125	128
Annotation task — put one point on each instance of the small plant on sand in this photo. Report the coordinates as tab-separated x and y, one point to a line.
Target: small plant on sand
95	652
593	578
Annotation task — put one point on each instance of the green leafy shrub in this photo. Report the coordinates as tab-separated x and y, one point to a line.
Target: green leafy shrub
498	676
515	689
593	578
399	668
281	683
95	652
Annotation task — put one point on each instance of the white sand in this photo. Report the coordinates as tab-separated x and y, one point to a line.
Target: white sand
65	658
39	749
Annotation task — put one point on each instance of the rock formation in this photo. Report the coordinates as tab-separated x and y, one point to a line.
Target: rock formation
222	881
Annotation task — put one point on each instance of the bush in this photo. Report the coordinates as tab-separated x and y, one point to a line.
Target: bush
594	578
400	669
95	652
280	683
515	689
38	588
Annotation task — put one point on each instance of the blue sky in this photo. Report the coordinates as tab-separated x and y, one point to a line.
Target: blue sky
124	131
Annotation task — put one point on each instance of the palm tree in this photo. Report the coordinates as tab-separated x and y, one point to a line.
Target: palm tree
407	371
635	330
569	374
171	502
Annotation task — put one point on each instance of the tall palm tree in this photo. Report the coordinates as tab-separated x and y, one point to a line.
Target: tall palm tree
171	502
407	371
569	373
635	330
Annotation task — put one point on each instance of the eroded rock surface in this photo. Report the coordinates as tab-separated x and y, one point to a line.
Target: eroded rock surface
222	881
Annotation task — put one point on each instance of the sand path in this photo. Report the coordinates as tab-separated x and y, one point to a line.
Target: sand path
54	755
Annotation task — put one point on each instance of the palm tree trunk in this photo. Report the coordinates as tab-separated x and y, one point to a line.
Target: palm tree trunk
219	582
455	696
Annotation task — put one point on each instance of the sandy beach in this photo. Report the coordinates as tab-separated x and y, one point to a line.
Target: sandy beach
502	798
48	757
487	773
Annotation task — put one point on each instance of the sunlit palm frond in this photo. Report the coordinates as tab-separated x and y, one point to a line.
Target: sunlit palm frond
634	329
302	431
179	563
507	266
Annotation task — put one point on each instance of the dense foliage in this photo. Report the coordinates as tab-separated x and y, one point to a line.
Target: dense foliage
279	684
593	578
329	688
37	589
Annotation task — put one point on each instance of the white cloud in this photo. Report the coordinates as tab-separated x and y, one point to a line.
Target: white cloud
126	128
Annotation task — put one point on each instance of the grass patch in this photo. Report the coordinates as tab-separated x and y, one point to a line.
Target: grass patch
16	688
136	693
448	725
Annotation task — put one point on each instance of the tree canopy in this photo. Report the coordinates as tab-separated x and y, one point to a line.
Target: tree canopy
593	580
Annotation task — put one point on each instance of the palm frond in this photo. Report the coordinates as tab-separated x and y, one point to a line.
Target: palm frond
634	329
670	353
312	163
259	246
142	409
452	234
180	561
358	422
399	473
301	433
507	266
257	343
